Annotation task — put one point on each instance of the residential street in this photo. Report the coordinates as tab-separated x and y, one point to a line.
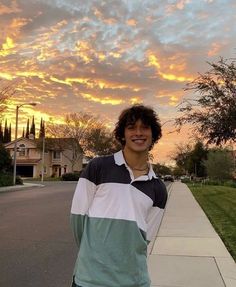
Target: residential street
36	244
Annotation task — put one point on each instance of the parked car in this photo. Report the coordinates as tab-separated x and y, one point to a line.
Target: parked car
168	177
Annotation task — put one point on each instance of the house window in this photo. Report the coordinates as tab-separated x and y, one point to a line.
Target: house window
21	150
56	154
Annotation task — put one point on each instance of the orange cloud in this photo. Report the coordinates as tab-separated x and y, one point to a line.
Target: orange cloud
101	56
115	54
84	49
153	61
131	22
103	101
172	77
9	10
7	47
179	5
54	79
6	76
215	49
135	100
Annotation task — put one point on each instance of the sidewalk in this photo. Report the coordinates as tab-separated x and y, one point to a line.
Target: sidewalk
18	187
187	251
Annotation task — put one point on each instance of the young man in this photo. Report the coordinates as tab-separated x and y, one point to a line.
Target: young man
117	207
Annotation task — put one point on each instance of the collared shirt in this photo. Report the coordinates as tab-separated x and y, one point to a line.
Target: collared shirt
114	216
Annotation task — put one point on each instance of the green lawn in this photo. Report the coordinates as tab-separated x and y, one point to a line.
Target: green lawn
219	204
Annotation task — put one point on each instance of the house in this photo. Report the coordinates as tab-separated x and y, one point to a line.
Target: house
61	155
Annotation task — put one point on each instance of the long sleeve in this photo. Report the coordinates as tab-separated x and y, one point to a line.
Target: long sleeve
154	221
156	212
82	200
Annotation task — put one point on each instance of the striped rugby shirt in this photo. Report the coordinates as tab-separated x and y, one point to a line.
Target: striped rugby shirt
113	217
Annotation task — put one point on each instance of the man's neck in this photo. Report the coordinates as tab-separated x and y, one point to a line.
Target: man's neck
135	159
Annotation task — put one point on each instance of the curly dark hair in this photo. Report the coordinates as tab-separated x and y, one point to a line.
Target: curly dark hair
130	115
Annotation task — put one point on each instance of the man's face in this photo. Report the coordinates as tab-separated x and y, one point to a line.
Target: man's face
138	137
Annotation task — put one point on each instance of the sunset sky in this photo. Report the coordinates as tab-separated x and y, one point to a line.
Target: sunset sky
101	56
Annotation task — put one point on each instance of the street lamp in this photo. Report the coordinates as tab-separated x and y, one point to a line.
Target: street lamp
15	145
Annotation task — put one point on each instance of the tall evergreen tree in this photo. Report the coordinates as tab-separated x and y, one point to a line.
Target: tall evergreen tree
42	129
5	136
32	128
27	129
23	133
9	134
1	133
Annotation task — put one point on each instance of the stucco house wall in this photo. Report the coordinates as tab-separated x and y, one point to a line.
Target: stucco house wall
57	159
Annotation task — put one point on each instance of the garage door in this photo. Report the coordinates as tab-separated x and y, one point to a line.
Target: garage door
25	170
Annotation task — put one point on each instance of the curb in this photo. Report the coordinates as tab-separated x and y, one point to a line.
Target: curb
19	187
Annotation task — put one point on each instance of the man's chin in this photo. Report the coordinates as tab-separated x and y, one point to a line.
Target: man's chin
140	149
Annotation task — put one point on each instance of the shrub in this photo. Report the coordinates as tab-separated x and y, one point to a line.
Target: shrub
231	183
19	180
6	179
185	180
70	176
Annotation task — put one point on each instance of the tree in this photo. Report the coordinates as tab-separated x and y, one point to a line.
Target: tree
83	127
32	128
42	129
161	169
6	135
196	160
27	129
213	112
181	156
1	133
5	160
100	141
177	171
220	164
190	158
9	134
6	91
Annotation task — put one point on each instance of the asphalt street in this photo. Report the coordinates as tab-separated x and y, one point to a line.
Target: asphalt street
37	248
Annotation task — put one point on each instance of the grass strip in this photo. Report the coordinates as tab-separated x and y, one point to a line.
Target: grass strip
219	204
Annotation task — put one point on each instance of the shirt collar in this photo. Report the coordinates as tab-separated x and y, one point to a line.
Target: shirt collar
119	160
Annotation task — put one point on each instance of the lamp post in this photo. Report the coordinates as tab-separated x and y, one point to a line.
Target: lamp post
15	145
42	170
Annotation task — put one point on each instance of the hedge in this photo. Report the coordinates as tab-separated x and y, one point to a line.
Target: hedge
71	176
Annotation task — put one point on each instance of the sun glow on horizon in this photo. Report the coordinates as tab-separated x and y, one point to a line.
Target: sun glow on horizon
99	57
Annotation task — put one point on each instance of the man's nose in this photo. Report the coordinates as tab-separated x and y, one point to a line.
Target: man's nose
138	131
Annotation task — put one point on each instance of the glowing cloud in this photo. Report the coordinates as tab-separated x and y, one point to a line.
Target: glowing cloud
153	61
80	55
6	76
7	47
103	101
172	77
